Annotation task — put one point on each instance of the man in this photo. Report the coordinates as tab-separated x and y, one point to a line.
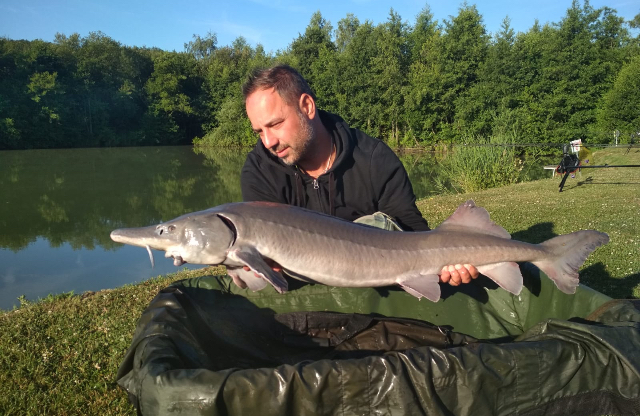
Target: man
311	158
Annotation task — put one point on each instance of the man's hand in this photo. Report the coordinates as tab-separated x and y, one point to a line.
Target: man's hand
457	274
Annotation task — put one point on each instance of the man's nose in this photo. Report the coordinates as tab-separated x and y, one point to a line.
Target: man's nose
269	140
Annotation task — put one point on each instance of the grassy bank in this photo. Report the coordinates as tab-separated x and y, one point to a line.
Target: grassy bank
60	355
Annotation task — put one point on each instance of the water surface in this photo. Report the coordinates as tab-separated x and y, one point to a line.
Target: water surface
57	208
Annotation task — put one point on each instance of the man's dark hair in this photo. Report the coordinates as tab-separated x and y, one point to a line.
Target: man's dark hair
287	82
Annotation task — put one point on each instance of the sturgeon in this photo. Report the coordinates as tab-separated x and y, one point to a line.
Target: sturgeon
319	248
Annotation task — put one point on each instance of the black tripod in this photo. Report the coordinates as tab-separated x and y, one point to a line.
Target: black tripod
571	163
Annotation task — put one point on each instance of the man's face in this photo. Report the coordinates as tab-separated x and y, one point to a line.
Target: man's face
284	130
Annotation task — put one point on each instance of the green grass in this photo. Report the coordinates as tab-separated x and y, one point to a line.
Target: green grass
60	355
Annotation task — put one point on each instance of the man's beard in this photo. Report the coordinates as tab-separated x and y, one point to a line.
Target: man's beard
302	143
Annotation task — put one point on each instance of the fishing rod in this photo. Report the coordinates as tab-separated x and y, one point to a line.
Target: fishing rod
571	163
561	145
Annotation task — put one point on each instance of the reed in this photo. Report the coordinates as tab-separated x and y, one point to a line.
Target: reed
480	164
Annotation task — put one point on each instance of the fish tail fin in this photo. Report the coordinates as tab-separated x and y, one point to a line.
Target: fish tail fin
567	254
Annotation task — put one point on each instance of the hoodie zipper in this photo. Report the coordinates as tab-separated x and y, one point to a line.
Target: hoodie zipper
316	186
321	204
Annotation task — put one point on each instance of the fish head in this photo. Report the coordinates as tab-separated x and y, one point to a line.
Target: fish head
197	238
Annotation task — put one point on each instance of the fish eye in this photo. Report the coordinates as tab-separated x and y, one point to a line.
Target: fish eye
172	227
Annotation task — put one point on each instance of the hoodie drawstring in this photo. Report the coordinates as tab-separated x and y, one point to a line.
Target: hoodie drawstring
332	209
298	189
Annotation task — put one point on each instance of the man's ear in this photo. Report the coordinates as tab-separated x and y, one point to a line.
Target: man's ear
307	106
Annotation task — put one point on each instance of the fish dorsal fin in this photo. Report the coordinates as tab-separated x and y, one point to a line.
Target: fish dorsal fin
471	217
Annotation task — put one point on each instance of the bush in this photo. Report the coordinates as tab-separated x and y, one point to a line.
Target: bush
480	165
234	129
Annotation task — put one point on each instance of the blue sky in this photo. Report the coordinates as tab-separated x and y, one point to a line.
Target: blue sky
272	23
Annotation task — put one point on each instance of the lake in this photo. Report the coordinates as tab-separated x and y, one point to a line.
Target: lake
57	208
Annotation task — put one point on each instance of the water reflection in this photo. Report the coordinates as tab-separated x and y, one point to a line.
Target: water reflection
422	170
57	208
79	196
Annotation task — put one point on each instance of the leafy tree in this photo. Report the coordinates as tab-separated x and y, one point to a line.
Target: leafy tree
173	90
635	22
109	81
422	32
306	48
225	73
447	68
346	31
463	50
389	68
43	89
355	93
15	104
620	106
9	134
325	82
576	65
424	80
202	48
489	102
234	128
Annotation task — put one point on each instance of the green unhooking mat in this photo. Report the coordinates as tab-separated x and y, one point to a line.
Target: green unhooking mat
205	347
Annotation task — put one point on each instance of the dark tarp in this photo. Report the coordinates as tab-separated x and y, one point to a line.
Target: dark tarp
205	347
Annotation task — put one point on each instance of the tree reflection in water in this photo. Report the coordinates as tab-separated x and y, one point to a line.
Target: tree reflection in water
57	208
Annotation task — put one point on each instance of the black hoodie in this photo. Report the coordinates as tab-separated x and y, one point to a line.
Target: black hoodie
365	177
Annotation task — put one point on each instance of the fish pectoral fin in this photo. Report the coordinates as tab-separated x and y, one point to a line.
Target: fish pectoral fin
243	279
253	259
507	275
422	285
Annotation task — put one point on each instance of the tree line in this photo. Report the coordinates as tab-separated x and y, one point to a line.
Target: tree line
410	84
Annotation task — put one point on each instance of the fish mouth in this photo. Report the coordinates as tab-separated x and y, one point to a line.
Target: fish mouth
176	256
178	261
